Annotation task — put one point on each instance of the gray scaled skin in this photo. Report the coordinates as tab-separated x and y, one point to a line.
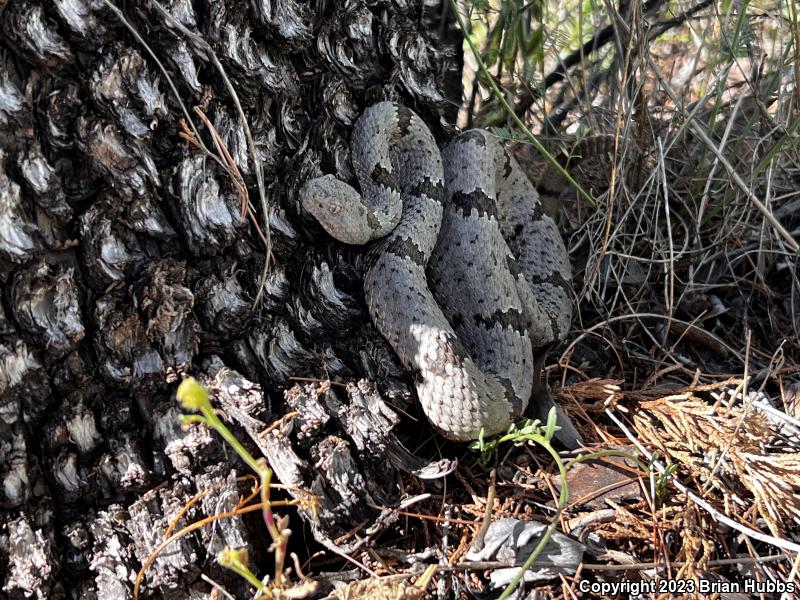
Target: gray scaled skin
498	266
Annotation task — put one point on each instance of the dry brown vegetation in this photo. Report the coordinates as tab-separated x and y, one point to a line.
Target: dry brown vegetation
686	351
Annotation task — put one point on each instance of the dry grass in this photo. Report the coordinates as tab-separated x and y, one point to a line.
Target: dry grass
688	340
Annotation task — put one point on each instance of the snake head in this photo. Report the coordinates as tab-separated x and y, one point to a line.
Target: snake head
338	208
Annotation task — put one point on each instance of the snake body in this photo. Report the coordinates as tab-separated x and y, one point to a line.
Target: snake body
496	290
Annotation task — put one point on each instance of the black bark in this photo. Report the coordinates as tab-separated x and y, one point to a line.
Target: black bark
125	265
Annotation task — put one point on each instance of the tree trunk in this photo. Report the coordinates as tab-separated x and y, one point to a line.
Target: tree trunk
125	265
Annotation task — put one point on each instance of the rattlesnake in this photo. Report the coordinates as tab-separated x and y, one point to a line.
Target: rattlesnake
498	270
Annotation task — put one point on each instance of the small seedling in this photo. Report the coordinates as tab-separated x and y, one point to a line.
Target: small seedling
662	483
527	430
192	396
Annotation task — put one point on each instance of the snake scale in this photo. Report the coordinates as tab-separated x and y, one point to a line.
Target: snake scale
467	279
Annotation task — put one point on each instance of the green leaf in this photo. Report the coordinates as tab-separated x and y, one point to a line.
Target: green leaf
552	419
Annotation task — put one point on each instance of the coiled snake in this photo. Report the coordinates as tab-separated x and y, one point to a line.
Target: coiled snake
496	291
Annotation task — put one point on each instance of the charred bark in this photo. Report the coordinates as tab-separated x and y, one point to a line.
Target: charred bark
125	264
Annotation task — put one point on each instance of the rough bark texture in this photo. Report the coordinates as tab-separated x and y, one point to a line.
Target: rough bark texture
124	265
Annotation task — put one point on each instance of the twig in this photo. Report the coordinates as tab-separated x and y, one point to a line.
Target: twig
251	145
662	26
194	135
477	544
722	562
212	56
122	19
218	587
350	559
